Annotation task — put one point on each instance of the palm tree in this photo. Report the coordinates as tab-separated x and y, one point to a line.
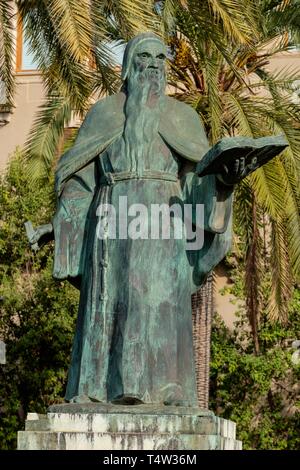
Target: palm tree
70	44
236	94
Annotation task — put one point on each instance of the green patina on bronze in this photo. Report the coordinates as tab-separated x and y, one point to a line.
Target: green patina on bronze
133	341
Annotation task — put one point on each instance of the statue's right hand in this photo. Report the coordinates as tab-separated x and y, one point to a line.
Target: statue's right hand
39	236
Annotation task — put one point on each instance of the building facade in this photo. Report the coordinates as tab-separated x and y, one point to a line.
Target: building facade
15	123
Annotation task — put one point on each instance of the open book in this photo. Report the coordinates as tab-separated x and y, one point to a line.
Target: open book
256	152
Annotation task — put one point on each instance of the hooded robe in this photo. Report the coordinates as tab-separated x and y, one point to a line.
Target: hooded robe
134	330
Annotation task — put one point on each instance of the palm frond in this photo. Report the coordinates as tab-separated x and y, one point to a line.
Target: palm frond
238	114
166	11
72	23
268	187
242	212
238	18
253	275
283	16
214	98
48	128
106	79
281	285
7	50
283	79
292	219
131	16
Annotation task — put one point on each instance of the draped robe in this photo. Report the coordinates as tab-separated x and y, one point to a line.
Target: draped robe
134	330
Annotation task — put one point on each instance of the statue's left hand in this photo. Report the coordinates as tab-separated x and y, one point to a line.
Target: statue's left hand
233	172
234	158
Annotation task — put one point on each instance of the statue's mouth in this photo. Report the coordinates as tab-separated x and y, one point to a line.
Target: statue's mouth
153	72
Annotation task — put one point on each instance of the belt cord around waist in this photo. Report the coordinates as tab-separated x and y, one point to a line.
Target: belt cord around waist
112	178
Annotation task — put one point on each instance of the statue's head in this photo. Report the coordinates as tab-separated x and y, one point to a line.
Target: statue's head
144	62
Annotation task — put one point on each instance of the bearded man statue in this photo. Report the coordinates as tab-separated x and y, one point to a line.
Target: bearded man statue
133	342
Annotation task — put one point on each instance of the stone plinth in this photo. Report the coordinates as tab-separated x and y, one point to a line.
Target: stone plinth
113	427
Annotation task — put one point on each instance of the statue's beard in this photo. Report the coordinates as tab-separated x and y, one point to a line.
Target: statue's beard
144	91
145	86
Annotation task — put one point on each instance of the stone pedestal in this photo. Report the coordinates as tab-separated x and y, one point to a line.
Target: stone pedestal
113	427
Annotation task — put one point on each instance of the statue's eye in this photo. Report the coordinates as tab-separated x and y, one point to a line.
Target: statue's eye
161	56
144	55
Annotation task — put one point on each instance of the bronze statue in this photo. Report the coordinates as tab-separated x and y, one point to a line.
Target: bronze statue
133	341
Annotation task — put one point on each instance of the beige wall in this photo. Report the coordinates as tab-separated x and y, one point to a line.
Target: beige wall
285	59
290	61
29	95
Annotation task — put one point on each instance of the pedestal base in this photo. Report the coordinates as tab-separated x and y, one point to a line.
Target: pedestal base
111	427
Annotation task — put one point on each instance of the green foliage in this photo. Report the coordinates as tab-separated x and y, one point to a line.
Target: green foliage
37	313
227	78
259	392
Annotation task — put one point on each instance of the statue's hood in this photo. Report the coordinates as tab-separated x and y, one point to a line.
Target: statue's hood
179	126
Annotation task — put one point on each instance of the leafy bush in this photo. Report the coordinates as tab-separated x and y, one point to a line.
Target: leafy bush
37	313
259	392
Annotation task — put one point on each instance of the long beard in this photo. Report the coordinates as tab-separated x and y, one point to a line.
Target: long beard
142	110
145	86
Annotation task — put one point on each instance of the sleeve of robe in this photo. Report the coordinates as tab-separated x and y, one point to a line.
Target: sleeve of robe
70	222
182	128
216	223
75	184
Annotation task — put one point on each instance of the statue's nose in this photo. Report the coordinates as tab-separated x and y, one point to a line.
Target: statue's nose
153	64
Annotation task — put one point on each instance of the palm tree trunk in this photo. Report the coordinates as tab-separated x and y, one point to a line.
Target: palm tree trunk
202	310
